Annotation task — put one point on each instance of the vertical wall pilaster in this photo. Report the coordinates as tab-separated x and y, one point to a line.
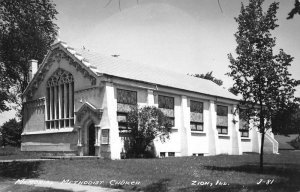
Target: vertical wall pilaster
185	127
212	131
150	97
236	136
109	121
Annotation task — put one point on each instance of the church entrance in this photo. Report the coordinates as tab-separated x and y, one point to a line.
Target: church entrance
91	144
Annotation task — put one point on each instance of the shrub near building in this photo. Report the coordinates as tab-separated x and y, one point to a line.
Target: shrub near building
146	124
11	133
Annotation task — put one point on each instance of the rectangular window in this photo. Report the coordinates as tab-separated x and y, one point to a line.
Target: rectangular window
165	102
126	97
243	125
171	154
222	119
196	126
122	121
126	100
196	116
162	154
196	107
222	130
166	105
244	133
105	136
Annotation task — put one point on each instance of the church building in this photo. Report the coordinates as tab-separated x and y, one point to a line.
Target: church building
77	103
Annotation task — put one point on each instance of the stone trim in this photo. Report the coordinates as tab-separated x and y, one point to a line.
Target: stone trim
49	131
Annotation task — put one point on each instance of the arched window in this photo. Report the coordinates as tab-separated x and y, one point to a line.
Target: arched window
60	100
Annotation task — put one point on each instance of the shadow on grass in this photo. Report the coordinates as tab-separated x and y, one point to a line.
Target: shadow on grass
16	170
160	186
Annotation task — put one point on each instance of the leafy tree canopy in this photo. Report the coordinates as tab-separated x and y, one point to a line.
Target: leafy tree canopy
260	76
26	32
146	124
11	132
210	77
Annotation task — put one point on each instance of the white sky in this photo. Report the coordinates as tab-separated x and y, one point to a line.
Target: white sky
190	36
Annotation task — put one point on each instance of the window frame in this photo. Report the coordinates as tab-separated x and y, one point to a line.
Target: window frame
164	96
60	100
221	128
123	126
196	124
193	110
128	91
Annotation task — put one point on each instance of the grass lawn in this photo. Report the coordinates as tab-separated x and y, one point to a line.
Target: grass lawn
216	173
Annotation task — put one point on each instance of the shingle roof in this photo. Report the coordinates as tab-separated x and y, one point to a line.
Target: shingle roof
151	74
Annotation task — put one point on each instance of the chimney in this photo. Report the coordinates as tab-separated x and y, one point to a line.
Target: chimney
33	67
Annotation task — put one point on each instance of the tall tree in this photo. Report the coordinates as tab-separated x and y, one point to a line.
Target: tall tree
210	77
260	76
26	32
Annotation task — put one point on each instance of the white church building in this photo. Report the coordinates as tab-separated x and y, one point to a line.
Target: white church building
77	103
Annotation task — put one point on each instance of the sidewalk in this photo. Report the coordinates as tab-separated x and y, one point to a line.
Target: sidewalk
65	186
23	160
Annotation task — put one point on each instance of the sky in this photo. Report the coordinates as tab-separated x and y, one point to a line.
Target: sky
190	36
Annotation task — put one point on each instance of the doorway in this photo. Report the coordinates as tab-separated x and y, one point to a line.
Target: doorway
91	134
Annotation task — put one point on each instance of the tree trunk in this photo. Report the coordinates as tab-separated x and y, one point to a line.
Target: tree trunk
261	163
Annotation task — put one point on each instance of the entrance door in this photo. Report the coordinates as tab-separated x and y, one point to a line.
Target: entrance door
91	140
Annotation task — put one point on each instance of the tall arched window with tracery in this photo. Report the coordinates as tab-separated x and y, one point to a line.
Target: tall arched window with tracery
60	100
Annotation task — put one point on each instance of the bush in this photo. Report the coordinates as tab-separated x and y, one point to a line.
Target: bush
146	124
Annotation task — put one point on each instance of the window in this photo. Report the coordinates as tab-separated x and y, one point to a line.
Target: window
195	126
126	101
126	97
165	102
122	120
105	136
162	154
243	125
222	119
244	133
60	100
171	154
196	116
166	105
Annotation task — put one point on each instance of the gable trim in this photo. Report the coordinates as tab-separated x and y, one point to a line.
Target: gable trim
59	51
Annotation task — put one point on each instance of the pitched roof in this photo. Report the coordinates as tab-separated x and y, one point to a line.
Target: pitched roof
136	71
99	64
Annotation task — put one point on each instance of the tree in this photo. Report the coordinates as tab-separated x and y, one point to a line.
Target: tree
4	89
11	133
210	77
287	121
259	75
26	32
146	124
295	10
